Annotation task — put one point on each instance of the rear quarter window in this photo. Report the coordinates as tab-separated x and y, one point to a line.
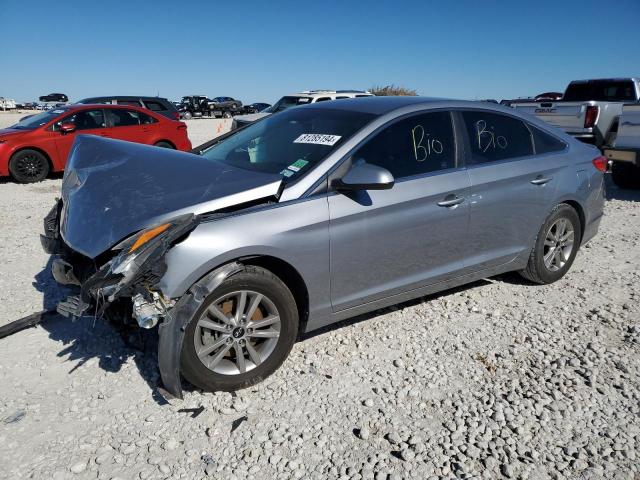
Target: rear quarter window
494	137
544	142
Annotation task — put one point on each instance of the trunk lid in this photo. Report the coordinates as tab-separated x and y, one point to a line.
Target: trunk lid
561	114
112	189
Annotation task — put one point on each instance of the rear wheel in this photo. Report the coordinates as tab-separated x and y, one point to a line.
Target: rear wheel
164	145
187	115
226	114
28	166
625	175
555	247
241	334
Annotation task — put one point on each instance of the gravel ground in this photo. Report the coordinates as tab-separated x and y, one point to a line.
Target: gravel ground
498	379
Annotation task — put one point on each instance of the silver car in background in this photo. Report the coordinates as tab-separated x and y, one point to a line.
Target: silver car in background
311	216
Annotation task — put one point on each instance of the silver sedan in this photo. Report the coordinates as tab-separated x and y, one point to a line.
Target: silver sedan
311	216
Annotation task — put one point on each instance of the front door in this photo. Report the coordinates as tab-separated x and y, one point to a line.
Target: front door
384	242
87	122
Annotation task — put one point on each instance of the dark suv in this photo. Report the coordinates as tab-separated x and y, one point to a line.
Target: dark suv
159	105
54	97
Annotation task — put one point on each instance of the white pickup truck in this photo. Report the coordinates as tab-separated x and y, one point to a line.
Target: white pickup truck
589	109
624	154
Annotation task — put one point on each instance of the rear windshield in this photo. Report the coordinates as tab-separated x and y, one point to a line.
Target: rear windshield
34	121
614	91
290	143
288	102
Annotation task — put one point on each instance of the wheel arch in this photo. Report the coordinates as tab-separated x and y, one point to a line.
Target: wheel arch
290	277
39	150
163	140
580	211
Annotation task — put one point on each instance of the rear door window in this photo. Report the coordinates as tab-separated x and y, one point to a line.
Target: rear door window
131	103
494	137
412	146
125	118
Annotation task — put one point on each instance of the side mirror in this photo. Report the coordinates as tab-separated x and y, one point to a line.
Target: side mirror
365	176
67	128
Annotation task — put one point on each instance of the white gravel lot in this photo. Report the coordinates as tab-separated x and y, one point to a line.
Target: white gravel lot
498	379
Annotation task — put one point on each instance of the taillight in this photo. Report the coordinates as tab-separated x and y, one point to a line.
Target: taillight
590	116
182	126
600	163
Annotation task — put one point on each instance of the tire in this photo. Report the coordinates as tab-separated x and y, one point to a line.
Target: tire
226	374
29	166
164	145
187	115
226	114
544	272
625	175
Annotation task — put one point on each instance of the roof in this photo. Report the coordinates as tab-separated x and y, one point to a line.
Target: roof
617	79
122	97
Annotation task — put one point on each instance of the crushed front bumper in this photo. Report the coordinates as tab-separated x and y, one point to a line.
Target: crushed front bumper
101	286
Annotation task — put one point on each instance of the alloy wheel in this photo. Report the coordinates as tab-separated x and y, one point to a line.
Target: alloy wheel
29	166
237	332
558	244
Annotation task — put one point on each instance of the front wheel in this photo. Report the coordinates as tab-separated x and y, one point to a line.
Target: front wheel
555	247
241	334
226	114
28	166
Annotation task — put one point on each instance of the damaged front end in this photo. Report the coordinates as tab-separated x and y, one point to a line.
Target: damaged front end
134	270
136	266
152	198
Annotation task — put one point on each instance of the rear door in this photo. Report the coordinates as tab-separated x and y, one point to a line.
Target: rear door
88	122
511	187
384	242
129	125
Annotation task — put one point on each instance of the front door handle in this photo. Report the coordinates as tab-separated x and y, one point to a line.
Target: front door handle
451	200
540	180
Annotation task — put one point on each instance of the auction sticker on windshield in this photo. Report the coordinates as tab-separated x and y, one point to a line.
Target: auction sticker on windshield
318	139
297	165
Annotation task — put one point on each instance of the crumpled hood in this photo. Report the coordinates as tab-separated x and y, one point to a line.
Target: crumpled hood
112	189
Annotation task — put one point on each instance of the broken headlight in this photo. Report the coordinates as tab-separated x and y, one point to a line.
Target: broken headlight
145	248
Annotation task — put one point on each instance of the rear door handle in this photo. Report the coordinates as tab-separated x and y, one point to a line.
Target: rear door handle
541	180
451	200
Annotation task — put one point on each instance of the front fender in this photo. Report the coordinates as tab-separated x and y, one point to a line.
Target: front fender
171	330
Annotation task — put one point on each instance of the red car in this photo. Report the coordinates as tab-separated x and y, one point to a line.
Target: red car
40	144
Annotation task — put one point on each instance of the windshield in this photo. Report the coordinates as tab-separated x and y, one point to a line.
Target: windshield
291	143
614	91
35	121
288	102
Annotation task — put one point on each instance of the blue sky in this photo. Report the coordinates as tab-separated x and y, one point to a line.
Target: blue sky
260	50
